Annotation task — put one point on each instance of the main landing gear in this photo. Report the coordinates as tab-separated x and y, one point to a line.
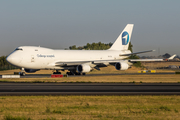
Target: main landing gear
57	72
71	72
75	73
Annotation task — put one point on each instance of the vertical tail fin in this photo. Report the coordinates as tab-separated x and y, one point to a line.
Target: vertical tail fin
122	42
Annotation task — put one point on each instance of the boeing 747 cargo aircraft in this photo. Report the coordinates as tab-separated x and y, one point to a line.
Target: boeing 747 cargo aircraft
31	58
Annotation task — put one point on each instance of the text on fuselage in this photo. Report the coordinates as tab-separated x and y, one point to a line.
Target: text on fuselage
40	55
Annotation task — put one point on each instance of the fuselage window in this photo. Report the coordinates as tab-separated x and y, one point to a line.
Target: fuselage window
18	49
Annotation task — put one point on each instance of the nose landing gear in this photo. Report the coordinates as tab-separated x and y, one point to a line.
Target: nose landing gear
22	73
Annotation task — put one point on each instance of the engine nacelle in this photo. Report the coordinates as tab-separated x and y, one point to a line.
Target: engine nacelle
121	66
30	70
83	68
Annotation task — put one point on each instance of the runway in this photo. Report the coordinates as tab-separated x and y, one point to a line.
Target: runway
49	75
89	89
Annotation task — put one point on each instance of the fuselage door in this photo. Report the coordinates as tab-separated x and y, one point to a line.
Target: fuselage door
32	58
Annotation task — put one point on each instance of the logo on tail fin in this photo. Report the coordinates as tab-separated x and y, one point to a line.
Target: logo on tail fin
125	38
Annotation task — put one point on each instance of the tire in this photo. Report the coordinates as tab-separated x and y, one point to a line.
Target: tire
22	74
56	72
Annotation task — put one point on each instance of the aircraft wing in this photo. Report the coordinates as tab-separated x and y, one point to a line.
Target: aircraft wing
96	62
131	60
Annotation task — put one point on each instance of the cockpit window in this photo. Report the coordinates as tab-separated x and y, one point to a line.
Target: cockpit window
18	49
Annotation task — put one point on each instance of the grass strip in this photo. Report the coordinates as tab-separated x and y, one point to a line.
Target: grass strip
169	78
89	107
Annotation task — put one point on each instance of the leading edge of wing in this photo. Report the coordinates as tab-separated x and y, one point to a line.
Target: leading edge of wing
75	63
70	63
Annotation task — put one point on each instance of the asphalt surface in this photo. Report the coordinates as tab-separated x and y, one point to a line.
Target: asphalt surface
89	89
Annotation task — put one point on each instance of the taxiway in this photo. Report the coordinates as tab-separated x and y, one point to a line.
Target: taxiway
89	89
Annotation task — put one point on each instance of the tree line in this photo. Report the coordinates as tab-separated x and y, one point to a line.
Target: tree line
96	46
4	65
93	46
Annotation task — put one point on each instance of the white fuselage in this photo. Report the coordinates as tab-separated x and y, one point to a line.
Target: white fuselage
32	57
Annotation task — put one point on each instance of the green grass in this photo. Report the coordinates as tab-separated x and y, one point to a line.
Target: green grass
10	117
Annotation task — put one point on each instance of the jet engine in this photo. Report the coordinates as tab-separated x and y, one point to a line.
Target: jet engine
121	66
30	70
83	68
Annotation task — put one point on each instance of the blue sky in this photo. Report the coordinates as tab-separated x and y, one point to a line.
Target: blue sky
59	24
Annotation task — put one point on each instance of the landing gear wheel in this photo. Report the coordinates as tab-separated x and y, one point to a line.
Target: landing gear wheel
22	73
70	73
77	73
83	73
57	72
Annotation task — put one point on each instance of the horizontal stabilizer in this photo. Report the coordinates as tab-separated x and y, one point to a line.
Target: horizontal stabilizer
136	60
144	60
136	53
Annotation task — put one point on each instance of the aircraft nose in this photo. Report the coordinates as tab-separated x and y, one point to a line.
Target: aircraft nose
9	59
13	59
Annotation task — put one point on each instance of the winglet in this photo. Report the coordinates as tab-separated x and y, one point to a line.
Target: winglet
172	57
